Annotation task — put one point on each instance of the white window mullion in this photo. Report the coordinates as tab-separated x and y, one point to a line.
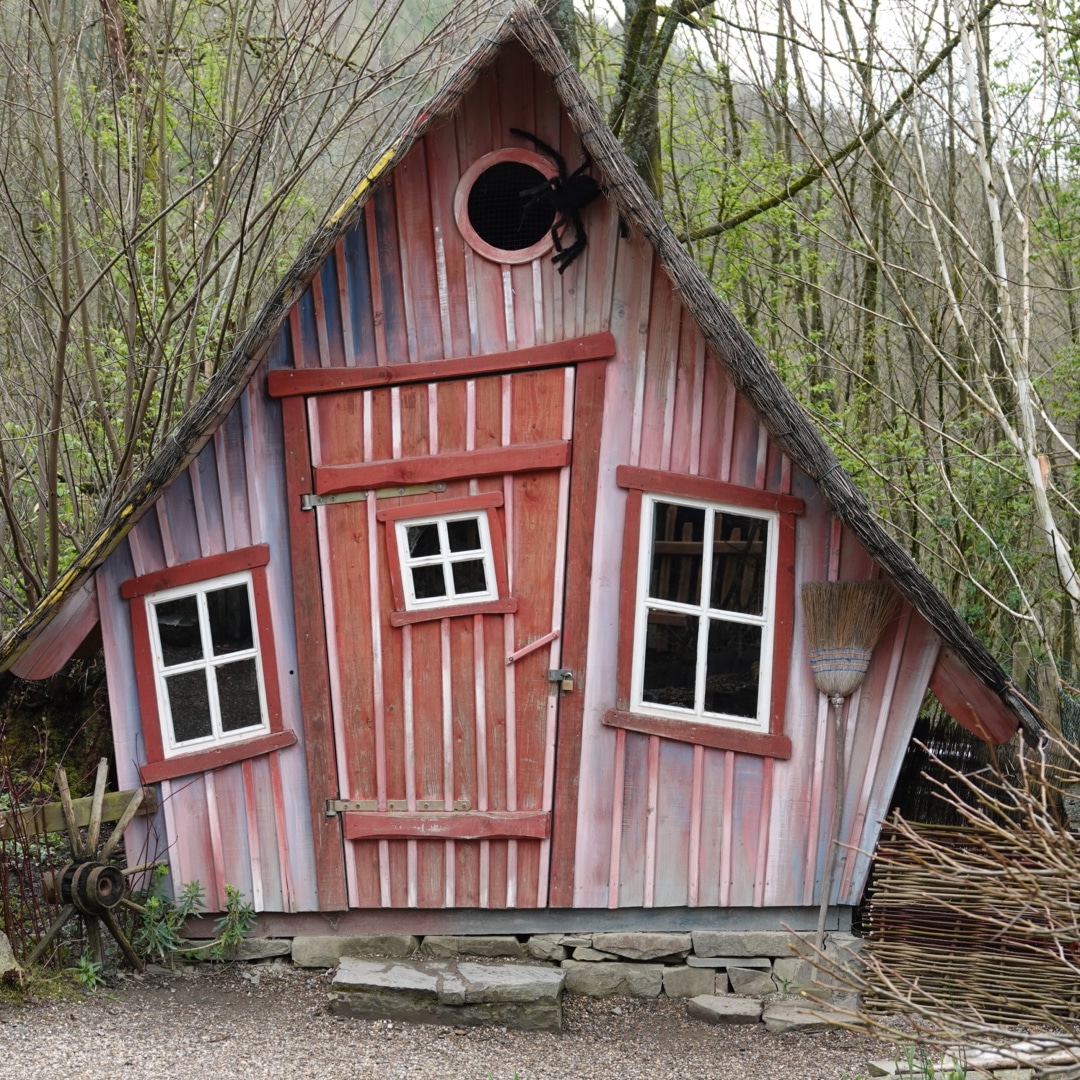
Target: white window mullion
703	607
208	663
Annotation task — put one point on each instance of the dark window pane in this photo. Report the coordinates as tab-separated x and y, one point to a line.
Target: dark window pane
178	627
678	534
230	619
238	695
731	674
428	582
189	705
739	563
670	659
469	577
464	535
423	540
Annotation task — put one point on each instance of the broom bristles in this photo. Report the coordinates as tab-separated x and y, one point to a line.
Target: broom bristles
844	621
847	614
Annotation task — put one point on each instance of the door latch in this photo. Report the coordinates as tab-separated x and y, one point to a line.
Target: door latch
564	677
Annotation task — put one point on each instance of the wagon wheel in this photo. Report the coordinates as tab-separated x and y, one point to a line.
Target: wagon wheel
88	886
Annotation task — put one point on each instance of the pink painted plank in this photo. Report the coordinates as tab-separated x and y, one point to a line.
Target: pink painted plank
417	248
714	826
263	806
718	395
481	137
441	148
54	646
222	864
144	836
191	855
634	822
920	652
232	479
686	400
178	504
749	773
659	372
674	824
616	818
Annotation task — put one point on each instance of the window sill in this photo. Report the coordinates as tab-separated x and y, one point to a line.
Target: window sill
449	611
216	757
759	743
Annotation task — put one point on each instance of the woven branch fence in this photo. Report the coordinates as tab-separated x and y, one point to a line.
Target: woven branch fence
980	921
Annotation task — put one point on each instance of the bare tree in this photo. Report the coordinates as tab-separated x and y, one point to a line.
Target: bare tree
159	163
886	193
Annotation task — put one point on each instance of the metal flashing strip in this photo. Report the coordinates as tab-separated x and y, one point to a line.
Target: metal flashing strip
350	806
310	501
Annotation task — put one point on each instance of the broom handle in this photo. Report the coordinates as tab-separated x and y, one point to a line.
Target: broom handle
837	703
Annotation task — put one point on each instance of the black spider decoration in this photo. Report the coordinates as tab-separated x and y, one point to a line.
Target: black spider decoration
566	194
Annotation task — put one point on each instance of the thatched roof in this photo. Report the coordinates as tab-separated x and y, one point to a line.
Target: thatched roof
747	366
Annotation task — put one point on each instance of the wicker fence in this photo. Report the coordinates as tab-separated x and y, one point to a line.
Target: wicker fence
983	919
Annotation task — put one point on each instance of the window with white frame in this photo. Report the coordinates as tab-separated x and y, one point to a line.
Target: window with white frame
704	626
207	667
446	560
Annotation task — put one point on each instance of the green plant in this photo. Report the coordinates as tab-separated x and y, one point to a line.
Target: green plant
234	925
158	934
88	973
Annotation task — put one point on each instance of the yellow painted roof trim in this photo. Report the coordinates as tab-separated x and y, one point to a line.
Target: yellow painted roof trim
362	188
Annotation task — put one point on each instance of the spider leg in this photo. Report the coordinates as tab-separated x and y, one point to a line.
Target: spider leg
559	160
564	256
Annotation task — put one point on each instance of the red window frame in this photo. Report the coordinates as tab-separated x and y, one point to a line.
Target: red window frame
198	572
488	502
773	743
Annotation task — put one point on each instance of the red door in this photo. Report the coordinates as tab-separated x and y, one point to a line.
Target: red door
442	510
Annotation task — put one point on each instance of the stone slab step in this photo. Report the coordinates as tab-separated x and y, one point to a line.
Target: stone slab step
460	993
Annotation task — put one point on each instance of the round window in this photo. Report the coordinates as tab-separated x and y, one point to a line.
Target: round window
494	212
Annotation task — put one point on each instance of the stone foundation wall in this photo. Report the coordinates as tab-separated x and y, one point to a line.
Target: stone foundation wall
633	964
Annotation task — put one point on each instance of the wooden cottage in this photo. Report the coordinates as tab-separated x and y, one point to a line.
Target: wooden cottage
410	621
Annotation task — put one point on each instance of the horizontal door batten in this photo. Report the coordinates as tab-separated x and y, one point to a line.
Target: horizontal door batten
525	457
448	825
288	382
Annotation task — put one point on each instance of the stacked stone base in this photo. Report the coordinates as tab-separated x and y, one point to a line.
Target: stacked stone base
731	977
526	997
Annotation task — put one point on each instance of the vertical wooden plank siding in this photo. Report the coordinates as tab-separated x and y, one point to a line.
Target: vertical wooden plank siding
588	414
312	658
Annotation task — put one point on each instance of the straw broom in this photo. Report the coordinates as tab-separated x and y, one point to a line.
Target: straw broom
844	621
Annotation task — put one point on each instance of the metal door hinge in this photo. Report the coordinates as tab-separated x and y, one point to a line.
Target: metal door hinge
564	677
309	502
343	806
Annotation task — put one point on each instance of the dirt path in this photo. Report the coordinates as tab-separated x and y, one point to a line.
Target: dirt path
272	1021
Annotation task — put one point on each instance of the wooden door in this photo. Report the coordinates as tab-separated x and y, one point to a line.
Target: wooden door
442	510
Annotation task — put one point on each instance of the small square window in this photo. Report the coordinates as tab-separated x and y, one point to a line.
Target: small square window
449	562
446	560
206	663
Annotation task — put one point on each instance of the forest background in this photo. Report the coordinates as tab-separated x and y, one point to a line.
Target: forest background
887	192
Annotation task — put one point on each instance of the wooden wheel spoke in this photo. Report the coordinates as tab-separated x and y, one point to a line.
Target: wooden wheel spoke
61	921
93	830
117	834
121	940
94	945
74	838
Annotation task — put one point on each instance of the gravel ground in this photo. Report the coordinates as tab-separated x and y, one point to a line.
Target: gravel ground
273	1021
